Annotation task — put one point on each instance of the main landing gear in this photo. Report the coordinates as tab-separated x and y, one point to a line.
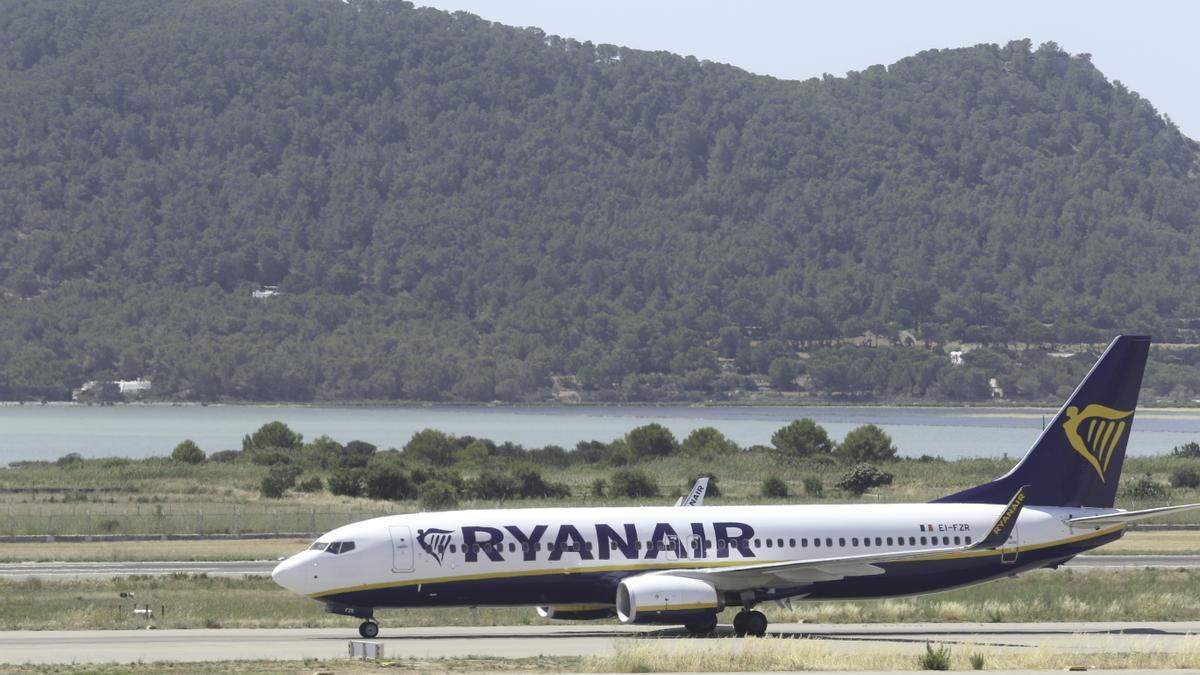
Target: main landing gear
703	626
750	622
370	629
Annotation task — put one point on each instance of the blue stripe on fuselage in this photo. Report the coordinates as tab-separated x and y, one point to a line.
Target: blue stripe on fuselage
582	586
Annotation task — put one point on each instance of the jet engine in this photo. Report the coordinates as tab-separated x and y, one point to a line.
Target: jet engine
662	598
575	612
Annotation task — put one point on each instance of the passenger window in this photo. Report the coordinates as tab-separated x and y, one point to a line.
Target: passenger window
453	549
792	543
829	541
889	541
968	540
946	541
922	541
768	543
912	541
956	541
804	542
779	543
757	543
817	543
866	541
879	541
854	541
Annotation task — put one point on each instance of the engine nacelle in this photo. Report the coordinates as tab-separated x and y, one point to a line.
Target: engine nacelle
576	612
662	598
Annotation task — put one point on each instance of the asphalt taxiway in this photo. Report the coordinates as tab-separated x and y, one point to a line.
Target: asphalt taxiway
124	646
241	568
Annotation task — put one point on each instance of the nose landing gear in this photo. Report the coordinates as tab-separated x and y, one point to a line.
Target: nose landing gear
368	629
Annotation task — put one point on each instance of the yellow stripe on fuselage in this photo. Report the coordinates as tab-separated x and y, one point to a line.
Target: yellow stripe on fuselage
702	563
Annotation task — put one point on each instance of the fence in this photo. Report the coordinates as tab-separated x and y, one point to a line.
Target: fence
235	521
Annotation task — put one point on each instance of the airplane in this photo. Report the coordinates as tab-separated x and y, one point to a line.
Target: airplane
684	566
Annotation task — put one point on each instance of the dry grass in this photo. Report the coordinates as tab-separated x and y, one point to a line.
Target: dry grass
1138	542
781	654
231	549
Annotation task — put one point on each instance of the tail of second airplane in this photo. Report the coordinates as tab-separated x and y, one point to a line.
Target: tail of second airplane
1077	459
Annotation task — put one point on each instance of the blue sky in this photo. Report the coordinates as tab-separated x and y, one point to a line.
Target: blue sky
1148	45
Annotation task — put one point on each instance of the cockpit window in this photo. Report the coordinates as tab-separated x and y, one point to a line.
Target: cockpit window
319	546
340	547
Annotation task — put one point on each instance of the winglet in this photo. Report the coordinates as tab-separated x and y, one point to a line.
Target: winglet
999	533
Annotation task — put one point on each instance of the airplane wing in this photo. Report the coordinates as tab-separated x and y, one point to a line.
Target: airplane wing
1128	516
795	572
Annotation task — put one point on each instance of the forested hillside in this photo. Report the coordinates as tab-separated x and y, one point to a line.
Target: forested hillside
458	210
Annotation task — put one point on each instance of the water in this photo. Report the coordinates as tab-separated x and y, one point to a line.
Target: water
50	431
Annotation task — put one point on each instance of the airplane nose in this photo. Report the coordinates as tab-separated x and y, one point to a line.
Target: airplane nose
285	574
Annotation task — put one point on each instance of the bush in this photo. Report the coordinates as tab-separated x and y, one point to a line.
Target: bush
69	458
278	480
273	435
346	481
867	443
387	480
813	486
713	490
437	495
599	488
312	484
802	438
1145	488
188	452
934	659
707	442
632	483
225	456
1186	477
774	487
863	477
976	661
496	485
530	485
651	440
1190	450
432	446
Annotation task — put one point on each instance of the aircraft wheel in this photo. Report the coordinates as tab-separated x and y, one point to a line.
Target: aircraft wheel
756	624
739	623
703	626
368	629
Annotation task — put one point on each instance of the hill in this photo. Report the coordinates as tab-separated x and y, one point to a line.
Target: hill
454	209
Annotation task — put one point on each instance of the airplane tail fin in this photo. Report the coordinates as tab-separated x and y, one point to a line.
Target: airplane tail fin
1077	459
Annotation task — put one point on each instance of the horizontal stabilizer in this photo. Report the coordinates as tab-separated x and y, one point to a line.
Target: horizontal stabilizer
1128	516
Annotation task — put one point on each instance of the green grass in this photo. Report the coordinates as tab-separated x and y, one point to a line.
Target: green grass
156	495
198	601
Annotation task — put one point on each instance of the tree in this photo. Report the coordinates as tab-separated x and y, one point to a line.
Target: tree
273	435
632	483
774	487
188	452
437	495
279	479
707	442
388	480
651	440
802	438
432	446
867	443
347	481
863	477
783	373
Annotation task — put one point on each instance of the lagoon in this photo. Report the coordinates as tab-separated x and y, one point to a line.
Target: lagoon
34	431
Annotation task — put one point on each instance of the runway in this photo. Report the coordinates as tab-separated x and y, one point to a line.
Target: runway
105	570
572	640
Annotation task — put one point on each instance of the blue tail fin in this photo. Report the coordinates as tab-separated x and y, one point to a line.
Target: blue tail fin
1077	459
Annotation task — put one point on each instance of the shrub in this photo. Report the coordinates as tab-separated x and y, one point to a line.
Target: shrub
311	484
976	661
278	480
496	485
359	448
273	435
599	488
530	485
934	659
802	438
188	452
1145	488
432	446
225	456
707	442
437	495
346	481
813	486
632	483
69	458
1186	477
651	440
1191	450
867	443
387	480
774	487
713	490
863	477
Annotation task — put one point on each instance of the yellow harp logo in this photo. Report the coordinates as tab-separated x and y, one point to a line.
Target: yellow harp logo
1095	432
